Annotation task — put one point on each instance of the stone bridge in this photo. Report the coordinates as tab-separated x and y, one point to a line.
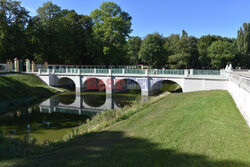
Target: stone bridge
188	80
236	82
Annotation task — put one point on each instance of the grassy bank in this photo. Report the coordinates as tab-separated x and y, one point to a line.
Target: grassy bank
189	129
22	89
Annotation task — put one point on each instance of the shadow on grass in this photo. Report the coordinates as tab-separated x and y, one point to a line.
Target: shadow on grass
19	94
113	148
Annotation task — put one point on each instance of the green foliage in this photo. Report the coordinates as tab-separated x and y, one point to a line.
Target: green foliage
55	34
62	36
152	51
182	51
243	43
111	28
134	46
221	53
13	20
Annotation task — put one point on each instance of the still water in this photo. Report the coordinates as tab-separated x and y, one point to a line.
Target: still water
54	117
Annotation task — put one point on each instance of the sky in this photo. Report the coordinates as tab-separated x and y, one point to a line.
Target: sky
196	17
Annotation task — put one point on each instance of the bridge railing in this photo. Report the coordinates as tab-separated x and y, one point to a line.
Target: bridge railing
134	71
180	72
166	71
206	72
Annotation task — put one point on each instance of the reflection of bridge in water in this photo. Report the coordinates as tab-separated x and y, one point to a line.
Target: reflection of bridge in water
79	105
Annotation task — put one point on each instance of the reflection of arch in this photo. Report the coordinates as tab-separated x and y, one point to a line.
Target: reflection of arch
127	85
165	85
67	99
94	84
94	100
66	83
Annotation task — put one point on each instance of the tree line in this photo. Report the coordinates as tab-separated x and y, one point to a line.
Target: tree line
61	36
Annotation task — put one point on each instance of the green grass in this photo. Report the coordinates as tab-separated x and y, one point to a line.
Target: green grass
20	86
22	89
188	129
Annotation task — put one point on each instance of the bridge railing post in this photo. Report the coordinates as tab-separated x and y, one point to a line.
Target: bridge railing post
146	72
110	71
79	71
186	72
123	71
191	72
94	70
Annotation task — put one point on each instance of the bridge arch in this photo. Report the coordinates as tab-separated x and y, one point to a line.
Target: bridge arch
94	84
66	83
159	86
125	84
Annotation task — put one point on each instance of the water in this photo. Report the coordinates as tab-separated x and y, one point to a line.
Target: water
54	117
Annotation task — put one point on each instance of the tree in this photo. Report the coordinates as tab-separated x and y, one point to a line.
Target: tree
111	28
221	53
60	36
182	51
243	43
152	51
203	45
13	20
134	45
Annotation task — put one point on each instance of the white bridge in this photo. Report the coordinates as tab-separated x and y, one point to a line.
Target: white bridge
188	80
237	83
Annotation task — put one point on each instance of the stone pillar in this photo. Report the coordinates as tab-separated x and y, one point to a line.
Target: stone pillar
45	65
109	84
7	66
78	83
191	72
33	66
186	72
27	61
145	86
16	65
10	66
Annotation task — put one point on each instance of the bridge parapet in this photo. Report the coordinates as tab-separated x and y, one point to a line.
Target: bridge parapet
239	88
136	72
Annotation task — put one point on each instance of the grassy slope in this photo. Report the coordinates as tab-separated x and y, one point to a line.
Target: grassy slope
189	129
22	86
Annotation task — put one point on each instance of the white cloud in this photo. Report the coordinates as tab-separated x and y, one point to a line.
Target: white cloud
32	11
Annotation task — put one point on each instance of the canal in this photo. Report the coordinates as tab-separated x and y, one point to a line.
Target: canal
54	117
51	119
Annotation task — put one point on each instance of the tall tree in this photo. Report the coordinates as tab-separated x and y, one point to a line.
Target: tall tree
203	45
13	20
152	51
221	53
134	45
60	36
183	52
112	27
243	43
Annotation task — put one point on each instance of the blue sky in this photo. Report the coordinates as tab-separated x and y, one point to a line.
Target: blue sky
197	17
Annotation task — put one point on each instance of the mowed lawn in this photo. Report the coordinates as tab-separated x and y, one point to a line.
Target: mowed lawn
187	129
22	86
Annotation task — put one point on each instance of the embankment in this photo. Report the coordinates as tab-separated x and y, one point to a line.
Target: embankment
20	90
